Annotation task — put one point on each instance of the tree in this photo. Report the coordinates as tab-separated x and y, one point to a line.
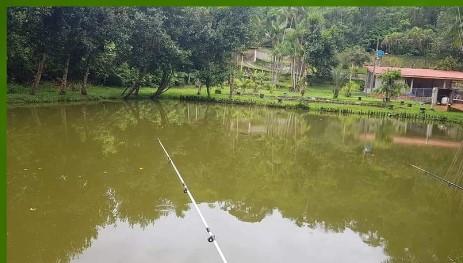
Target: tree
389	86
273	24
339	77
30	42
319	48
448	63
353	57
96	37
415	41
66	22
293	43
448	40
149	45
222	33
152	50
259	78
350	87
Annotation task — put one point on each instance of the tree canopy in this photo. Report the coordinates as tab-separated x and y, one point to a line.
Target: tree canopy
152	46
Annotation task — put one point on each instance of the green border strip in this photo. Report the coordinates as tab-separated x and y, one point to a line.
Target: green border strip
3	84
3	54
234	3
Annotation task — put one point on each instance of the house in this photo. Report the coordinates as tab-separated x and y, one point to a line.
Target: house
422	82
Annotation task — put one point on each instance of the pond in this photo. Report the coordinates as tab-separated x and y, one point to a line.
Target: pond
90	183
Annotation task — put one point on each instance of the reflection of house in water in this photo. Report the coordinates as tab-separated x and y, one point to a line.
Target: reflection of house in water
436	135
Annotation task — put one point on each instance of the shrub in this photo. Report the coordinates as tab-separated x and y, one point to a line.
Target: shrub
350	87
448	63
270	87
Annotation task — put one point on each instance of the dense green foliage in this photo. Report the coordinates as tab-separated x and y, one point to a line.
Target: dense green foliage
389	84
349	88
124	46
163	46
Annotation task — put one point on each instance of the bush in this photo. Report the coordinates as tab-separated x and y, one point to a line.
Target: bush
17	89
270	87
350	87
448	63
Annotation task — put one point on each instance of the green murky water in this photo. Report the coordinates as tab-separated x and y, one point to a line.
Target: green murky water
89	183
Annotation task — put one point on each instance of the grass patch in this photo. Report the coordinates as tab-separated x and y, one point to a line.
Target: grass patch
317	98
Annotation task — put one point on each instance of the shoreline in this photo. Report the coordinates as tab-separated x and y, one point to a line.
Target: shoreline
332	108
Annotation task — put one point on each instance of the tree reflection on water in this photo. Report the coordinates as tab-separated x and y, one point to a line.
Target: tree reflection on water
75	169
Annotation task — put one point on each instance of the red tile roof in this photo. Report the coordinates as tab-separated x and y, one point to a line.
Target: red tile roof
421	73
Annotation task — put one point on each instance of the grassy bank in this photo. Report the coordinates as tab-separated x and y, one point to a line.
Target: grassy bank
317	98
47	93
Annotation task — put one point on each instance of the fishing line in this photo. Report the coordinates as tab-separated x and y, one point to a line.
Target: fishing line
211	237
438	177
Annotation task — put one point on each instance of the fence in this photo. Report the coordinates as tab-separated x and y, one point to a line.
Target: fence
421	94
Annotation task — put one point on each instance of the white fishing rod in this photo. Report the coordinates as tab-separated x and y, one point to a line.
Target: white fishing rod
438	177
211	237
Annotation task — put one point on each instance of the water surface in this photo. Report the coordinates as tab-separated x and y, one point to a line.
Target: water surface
89	183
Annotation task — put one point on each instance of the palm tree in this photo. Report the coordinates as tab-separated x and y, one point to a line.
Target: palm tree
339	77
389	87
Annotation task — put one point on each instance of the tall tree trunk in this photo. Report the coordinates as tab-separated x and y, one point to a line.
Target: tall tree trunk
242	61
38	74
208	90
164	84
300	77
132	89
83	89
275	75
126	88
273	69
277	70
293	74
335	93
351	72
62	87
137	89
231	80
139	82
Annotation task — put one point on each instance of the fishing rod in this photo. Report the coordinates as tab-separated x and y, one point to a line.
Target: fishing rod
211	237
438	177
